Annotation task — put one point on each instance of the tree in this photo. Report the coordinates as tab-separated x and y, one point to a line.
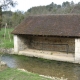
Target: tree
65	4
4	4
17	17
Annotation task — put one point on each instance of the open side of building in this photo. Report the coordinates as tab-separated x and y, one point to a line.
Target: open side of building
55	37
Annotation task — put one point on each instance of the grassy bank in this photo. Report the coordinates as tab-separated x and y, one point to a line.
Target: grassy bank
17	74
6	38
6	41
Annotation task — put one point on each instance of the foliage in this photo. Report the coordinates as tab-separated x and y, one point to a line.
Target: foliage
6	41
65	8
12	18
5	4
15	18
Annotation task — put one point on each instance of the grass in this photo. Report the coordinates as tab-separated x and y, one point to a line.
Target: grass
15	74
18	74
6	38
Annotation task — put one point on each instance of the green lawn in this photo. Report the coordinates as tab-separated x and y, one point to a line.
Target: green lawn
6	38
15	74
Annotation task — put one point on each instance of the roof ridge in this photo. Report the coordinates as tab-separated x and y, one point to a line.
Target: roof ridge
52	15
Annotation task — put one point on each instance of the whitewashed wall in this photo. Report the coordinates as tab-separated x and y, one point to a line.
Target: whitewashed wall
16	44
77	50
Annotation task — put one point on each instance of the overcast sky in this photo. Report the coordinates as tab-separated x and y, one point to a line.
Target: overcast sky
24	5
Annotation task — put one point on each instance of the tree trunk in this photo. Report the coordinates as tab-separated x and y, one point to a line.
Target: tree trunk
0	17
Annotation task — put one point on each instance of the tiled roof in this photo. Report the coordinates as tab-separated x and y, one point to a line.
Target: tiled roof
50	25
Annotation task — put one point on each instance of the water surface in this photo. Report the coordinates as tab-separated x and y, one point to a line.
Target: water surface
43	67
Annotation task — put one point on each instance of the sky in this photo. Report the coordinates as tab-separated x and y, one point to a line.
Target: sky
24	5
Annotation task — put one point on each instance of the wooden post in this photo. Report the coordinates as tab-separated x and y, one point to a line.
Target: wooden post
9	36
0	17
5	31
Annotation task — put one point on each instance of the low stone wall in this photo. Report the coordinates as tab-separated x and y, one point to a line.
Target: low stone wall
3	65
9	51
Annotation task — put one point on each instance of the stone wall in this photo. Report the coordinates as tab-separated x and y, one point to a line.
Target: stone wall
20	43
47	43
23	42
9	51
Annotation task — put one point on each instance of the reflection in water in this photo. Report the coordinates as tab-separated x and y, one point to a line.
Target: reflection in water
9	60
44	67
